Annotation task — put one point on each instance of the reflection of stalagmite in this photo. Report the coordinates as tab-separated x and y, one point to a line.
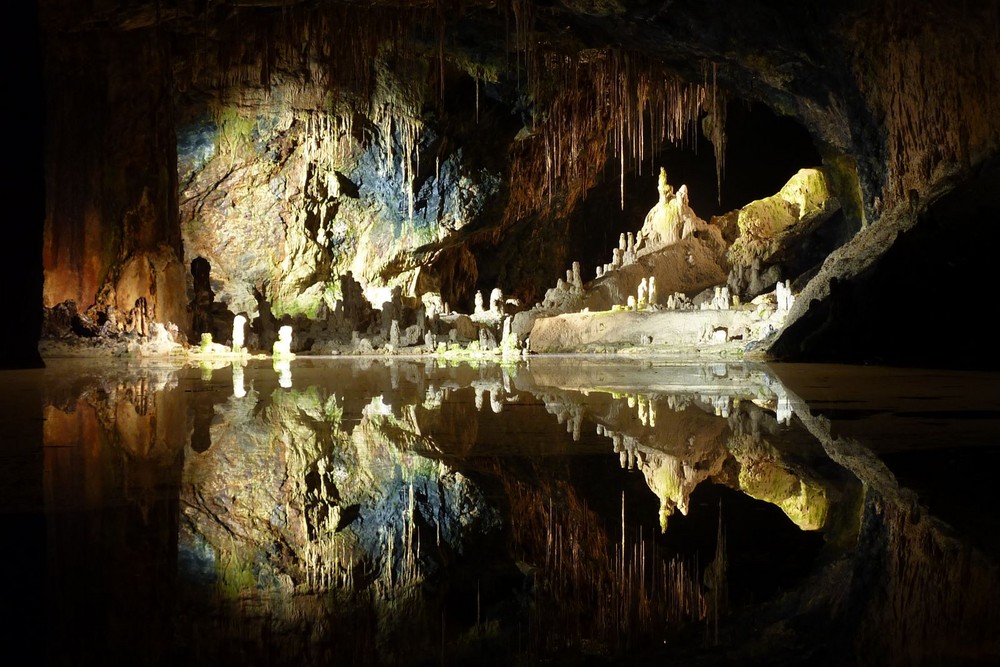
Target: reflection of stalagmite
784	411
238	389
668	482
283	367
496	402
721	404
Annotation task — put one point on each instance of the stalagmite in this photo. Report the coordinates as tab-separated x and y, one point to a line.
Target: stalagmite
652	292
641	295
508	341
479	303
282	347
784	296
576	278
496	301
394	334
238	322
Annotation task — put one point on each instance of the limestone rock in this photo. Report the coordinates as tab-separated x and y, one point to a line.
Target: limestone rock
768	225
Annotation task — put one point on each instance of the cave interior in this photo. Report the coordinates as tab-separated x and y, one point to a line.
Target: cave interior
450	148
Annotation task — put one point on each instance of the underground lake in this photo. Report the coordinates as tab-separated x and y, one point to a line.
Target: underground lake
559	510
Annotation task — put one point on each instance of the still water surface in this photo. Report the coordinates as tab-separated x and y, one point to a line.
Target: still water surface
565	511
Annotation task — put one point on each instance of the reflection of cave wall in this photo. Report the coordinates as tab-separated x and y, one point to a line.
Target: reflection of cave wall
921	304
766	552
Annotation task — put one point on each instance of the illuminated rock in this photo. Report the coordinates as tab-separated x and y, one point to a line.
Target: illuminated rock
767	225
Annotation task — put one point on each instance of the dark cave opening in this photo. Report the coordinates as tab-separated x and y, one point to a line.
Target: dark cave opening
763	150
23	265
916	306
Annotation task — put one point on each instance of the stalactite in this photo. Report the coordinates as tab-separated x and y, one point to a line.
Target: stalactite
931	77
523	11
717	131
603	105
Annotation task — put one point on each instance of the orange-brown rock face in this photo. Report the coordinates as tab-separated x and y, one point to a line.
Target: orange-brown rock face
111	238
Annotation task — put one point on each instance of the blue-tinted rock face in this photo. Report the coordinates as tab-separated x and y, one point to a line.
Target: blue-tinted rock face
433	195
195	147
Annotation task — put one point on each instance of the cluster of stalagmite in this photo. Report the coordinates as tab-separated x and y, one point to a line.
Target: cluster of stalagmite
353	326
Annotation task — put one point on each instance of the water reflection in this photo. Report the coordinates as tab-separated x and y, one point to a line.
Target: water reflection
410	512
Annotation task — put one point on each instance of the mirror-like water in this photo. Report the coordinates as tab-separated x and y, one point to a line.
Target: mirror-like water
568	510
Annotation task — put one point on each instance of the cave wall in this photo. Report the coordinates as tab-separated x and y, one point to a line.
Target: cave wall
111	238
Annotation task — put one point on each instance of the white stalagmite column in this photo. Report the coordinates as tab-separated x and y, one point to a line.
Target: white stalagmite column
238	323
